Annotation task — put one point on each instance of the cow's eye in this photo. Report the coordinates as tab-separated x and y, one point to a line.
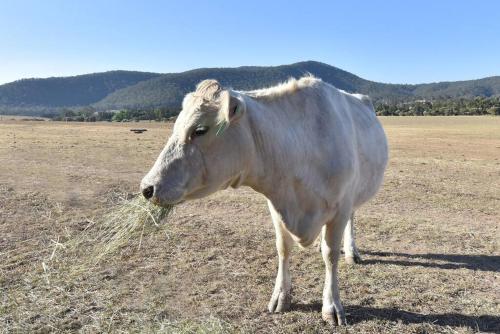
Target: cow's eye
199	131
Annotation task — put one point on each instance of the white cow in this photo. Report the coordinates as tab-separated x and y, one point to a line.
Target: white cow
315	152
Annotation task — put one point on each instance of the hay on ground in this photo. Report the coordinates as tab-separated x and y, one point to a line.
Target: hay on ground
125	223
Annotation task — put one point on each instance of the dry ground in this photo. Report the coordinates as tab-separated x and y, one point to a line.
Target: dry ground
429	239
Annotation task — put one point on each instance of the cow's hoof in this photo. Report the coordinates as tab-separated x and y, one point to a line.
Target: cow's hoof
335	318
355	259
280	302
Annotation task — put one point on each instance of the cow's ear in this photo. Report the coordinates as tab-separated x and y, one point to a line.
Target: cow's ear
236	108
233	108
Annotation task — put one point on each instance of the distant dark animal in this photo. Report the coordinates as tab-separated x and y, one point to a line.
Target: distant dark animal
138	130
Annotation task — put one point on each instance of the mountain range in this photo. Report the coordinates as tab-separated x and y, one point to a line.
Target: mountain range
143	90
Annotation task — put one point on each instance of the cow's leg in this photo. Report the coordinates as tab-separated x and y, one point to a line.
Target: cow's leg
332	310
281	298
350	251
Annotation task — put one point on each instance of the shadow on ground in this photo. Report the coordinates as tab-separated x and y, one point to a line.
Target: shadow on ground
357	314
455	261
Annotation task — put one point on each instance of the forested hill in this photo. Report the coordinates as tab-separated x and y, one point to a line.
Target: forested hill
138	90
169	89
80	90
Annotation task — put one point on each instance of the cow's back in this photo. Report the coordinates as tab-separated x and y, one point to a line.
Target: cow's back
321	143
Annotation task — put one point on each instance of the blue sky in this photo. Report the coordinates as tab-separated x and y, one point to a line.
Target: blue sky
388	41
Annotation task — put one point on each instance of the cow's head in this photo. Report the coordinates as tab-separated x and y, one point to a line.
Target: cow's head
207	151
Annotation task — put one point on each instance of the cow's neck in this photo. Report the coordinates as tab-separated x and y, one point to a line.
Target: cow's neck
273	163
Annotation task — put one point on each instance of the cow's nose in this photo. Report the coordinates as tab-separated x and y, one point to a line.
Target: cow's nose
148	192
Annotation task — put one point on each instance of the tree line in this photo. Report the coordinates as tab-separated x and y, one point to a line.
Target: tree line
441	107
90	114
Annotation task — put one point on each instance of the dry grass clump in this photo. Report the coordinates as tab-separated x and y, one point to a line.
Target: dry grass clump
130	220
125	223
207	326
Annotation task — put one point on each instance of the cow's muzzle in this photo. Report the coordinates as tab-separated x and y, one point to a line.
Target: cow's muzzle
148	192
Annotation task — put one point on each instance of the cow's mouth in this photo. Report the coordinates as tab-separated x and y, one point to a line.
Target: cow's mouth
167	197
159	202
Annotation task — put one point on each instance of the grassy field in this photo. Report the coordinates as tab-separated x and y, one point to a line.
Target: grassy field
429	239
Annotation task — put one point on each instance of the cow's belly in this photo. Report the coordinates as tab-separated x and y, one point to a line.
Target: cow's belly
306	232
305	223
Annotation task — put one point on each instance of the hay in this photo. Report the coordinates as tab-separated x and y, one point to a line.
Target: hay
130	220
124	224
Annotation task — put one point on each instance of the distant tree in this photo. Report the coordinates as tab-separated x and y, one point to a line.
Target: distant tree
121	116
